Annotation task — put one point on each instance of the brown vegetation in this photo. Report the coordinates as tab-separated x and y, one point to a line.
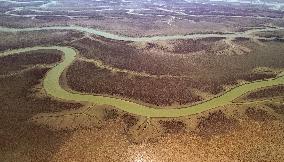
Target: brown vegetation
86	77
278	108
129	120
20	139
259	114
188	46
252	140
110	114
216	123
172	126
18	62
206	72
275	91
35	38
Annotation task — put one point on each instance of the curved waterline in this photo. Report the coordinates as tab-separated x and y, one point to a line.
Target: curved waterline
246	34
53	88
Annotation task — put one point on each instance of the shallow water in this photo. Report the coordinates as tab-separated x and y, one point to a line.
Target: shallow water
246	34
53	88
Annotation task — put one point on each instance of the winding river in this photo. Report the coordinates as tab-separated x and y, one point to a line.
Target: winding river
53	88
246	34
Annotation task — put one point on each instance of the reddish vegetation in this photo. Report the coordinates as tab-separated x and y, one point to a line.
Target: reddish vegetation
207	72
216	123
129	120
18	62
18	105
259	114
158	91
186	46
110	114
270	92
35	38
172	126
278	108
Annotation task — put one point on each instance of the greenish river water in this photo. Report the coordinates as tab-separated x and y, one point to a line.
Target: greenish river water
246	34
53	88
